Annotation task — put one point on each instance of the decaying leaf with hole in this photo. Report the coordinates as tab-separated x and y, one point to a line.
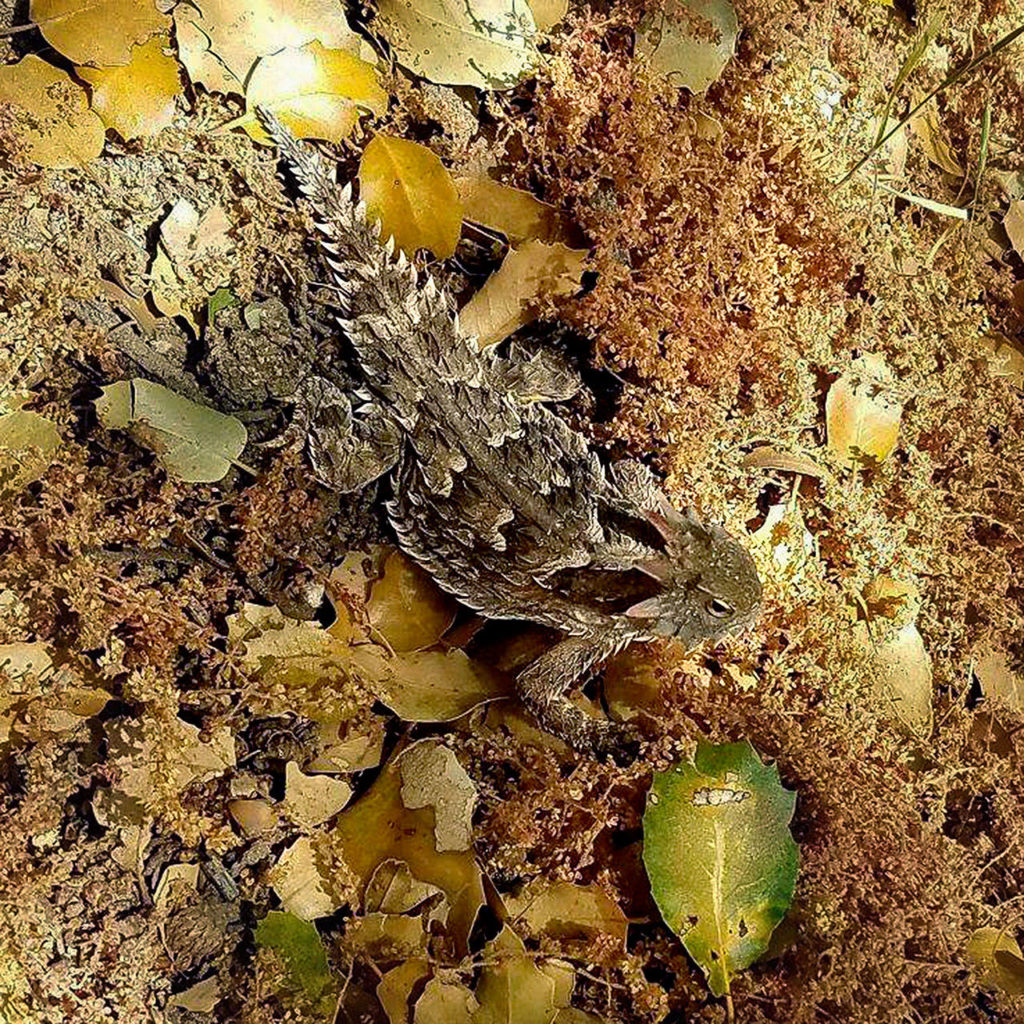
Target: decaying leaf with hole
689	42
488	44
98	32
28	443
516	293
379	827
998	960
407	607
315	92
220	40
720	857
194	442
862	412
432	777
517	214
410	192
52	116
298	944
138	98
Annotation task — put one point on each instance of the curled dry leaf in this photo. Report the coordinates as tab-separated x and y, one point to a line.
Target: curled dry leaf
517	214
53	119
194	442
28	443
770	457
1013	224
488	44
410	192
689	42
516	293
315	92
407	607
861	412
379	827
925	125
432	777
137	98
220	40
98	32
998	960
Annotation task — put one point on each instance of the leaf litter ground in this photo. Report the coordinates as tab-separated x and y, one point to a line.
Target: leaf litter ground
737	294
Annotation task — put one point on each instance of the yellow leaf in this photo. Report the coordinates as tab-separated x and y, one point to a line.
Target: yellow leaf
901	671
220	40
28	443
57	127
407	188
137	98
98	31
861	413
514	295
316	93
407	607
997	959
548	13
516	214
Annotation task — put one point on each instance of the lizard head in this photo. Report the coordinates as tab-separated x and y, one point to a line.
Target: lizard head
708	582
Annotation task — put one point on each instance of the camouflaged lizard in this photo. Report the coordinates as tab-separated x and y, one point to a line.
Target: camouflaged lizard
503	503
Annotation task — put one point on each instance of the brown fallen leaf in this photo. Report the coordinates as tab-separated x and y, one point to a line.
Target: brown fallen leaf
138	98
394	890
517	214
99	32
407	607
432	777
410	192
52	117
566	911
300	884
515	294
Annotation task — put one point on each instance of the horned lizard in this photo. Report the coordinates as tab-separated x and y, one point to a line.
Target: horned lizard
505	505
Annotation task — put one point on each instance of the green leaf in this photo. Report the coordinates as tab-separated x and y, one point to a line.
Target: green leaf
222	298
720	857
298	944
194	442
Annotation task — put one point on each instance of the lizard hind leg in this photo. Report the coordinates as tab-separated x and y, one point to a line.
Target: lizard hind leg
542	687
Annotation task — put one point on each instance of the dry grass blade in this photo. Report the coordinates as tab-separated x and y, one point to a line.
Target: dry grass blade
951	79
916	55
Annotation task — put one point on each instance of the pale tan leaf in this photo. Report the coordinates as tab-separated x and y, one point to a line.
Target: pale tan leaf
925	125
770	457
548	13
199	998
407	607
689	42
28	443
310	800
297	880
52	118
512	989
631	684
315	92
1001	686
516	293
566	911
137	98
862	413
410	192
432	777
1013	224
517	214
220	40
98	31
901	671
254	816
387	937
1007	360
488	44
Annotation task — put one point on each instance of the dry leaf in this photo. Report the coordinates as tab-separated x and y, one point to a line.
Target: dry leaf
902	675
253	816
862	413
770	457
994	971
194	442
784	536
394	889
1013	224
310	800
898	601
925	125
1006	360
138	98
28	443
200	998
98	31
1000	684
54	121
395	988
379	827
564	911
631	684
689	42
432	777
445	1003
316	93
548	13
514	988
515	294
387	937
220	40
301	887
517	214
407	607
488	44
410	192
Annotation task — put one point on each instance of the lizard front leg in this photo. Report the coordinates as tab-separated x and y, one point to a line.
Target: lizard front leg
542	687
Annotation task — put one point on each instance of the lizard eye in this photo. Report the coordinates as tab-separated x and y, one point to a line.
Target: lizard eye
719	609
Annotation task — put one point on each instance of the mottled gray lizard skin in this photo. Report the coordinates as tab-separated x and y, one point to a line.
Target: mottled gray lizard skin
505	505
